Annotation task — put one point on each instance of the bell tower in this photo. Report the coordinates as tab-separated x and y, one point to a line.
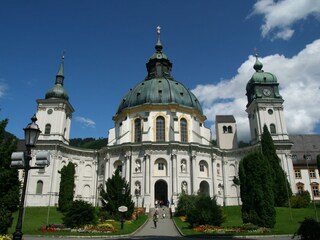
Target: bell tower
265	105
54	113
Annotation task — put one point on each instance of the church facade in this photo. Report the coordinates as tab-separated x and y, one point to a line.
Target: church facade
159	143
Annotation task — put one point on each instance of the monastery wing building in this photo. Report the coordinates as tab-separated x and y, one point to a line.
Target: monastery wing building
160	143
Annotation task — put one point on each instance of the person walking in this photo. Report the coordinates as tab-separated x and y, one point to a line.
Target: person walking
155	219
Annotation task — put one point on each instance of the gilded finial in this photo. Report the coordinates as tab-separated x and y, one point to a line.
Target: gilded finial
158	30
158	45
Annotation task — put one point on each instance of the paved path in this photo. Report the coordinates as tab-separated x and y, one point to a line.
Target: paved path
165	227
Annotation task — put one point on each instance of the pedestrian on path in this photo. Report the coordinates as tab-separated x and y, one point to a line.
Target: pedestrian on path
163	214
155	219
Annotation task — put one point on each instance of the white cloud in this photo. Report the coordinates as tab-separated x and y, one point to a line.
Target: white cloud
279	16
86	122
299	86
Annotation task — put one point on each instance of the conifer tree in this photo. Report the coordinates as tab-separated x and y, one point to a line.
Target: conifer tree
256	191
281	186
113	197
9	181
66	187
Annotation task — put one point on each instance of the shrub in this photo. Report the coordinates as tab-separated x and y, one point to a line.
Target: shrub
5	219
185	202
301	200
80	214
205	211
309	229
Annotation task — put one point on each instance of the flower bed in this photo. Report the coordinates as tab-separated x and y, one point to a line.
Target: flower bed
105	227
246	228
5	237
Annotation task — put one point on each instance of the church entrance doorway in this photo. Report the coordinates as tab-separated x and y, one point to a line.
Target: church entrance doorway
161	192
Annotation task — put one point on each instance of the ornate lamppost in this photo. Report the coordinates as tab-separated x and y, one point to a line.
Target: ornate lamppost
137	193
123	208
22	161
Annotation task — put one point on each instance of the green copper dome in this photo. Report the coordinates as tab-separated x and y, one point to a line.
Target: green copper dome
260	76
58	91
159	87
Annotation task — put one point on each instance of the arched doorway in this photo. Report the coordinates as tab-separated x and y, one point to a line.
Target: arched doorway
204	188
161	191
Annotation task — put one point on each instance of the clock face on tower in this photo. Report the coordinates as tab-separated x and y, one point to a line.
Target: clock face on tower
266	92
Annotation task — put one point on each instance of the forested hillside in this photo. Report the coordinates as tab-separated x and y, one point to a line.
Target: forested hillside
89	143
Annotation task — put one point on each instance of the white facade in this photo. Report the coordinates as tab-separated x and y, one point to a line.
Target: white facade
162	150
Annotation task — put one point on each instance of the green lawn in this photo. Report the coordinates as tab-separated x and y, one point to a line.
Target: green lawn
36	217
285	224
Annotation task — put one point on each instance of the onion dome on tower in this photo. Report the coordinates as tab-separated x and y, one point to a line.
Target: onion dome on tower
58	91
262	85
159	87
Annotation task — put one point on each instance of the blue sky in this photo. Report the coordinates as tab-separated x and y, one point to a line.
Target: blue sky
107	44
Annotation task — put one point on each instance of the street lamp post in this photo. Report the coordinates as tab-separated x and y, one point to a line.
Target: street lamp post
123	191
32	133
137	196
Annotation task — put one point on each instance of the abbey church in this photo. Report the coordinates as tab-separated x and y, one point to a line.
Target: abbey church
160	143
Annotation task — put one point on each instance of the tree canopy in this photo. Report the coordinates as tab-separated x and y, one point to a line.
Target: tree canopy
281	186
66	187
9	181
256	191
114	197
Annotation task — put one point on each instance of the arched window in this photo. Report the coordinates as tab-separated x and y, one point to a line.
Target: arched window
183	130
160	129
272	128
137	130
39	187
229	129
203	169
117	165
47	129
160	167
225	129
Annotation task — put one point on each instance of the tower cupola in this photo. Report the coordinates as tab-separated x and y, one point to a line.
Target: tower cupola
58	91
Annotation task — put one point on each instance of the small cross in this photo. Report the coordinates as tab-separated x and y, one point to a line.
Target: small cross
255	51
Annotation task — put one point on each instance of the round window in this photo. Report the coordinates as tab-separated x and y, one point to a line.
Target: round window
49	111
270	111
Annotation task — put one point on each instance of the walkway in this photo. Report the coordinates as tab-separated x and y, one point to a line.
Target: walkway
165	227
